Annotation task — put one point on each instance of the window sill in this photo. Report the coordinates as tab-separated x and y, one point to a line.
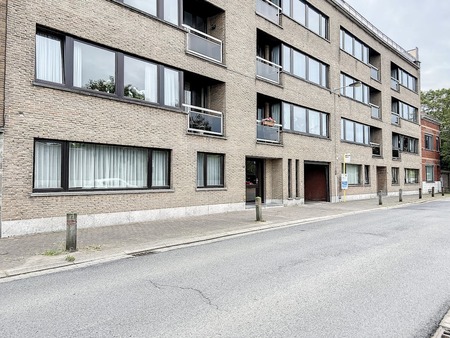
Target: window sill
205	134
104	192
211	189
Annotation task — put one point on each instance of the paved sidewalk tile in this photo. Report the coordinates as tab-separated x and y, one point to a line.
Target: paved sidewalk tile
29	253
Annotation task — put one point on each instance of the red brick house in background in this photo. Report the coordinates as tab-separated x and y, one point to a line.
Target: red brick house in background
431	164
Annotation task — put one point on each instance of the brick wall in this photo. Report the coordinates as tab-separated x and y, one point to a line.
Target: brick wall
2	57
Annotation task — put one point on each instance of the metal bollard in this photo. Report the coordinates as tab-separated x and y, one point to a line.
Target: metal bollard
442	190
71	232
420	193
432	191
258	209
400	195
380	198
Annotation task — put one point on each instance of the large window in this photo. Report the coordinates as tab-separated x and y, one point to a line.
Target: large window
428	142
164	9
210	170
63	166
304	120
306	15
404	78
360	93
354	47
353	172
405	111
304	66
101	70
405	143
411	175
355	132
429	172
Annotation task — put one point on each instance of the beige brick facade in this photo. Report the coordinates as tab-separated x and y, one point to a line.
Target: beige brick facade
38	110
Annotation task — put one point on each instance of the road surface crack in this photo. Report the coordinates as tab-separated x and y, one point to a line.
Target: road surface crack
199	292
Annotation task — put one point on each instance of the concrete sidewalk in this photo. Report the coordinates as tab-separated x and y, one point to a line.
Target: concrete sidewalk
32	253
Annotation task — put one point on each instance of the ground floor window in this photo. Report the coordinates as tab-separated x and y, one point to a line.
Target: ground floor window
395	175
210	170
429	170
366	174
353	172
411	175
63	165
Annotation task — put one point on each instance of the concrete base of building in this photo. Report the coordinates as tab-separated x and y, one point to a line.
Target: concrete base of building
32	226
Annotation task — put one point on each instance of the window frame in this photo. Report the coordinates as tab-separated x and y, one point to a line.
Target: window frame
160	5
428	140
395	174
353	92
324	21
65	166
429	167
289	126
358	173
68	73
408	179
364	49
205	171
365	129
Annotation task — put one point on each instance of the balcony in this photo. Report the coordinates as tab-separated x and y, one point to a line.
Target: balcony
268	133
374	73
376	149
375	111
395	119
269	10
395	85
396	153
203	45
204	121
267	70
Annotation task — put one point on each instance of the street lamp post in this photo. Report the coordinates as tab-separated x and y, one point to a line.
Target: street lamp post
335	93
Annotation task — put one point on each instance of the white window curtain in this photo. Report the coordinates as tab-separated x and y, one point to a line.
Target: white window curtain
148	6
276	112
171	88
160	168
101	167
171	11
214	170
275	55
200	170
151	83
77	65
352	173
49	59
286	115
314	122
47	165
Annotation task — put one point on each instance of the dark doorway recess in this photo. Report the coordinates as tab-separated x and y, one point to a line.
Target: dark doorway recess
317	182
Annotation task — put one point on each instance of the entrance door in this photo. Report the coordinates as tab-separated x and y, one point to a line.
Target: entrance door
382	180
254	179
316	182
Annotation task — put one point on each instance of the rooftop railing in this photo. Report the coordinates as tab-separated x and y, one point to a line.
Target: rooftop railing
375	30
204	120
203	45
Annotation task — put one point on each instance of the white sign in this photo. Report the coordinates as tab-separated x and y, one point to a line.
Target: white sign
347	158
344	182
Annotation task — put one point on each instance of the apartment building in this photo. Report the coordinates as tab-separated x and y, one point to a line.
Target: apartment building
136	110
431	159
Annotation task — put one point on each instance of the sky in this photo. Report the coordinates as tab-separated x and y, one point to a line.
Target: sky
415	23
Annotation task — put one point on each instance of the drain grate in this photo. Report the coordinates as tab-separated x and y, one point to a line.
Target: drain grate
145	253
446	334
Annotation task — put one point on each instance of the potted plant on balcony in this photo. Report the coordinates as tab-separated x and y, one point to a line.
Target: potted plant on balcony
268	121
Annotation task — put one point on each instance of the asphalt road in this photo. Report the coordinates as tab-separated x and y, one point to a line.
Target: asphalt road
376	274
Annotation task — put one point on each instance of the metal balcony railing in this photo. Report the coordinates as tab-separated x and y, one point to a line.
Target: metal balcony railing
267	133
203	45
374	73
395	84
395	119
376	149
268	70
375	111
204	120
269	10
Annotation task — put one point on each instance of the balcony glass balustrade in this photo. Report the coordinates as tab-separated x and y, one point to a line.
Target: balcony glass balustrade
269	10
203	45
268	133
267	70
204	120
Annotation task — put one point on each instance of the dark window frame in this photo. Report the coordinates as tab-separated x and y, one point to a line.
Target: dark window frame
205	171
159	11
428	140
65	168
326	34
68	52
307	110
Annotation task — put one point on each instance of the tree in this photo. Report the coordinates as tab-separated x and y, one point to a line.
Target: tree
437	104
